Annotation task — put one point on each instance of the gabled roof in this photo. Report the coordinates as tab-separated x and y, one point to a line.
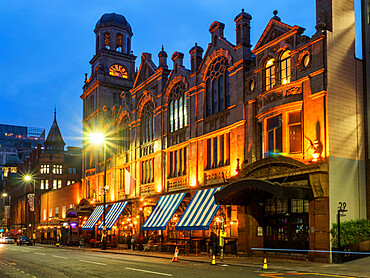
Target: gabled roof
274	30
147	69
54	137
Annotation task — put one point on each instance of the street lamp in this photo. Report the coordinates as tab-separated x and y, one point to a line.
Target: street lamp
29	178
4	195
97	139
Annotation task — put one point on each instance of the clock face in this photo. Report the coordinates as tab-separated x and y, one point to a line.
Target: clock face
118	70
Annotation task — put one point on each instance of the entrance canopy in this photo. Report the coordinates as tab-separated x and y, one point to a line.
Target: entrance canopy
243	191
113	214
163	211
200	212
93	218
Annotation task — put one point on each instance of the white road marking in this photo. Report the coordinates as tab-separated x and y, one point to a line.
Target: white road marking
25	251
91	262
59	257
42	254
147	271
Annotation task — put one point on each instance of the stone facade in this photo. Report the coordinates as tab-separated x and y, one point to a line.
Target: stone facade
290	111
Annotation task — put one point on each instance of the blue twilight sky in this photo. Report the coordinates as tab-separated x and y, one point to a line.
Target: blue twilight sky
46	46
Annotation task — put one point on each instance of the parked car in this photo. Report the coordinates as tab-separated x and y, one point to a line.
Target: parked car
7	240
24	240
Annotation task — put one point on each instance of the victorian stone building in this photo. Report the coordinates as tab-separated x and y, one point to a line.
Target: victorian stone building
50	167
276	129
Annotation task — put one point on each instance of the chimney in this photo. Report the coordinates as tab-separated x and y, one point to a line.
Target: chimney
177	58
195	57
243	28
163	59
217	30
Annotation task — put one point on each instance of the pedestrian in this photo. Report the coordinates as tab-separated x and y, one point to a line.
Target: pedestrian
133	242
148	245
129	242
140	241
214	242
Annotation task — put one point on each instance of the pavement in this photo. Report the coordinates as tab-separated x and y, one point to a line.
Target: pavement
356	268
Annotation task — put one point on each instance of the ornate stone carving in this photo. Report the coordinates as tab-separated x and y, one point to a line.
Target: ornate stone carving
293	91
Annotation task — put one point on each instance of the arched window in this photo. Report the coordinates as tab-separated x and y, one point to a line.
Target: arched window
217	91
107	40
125	135
177	106
119	42
270	74
285	69
118	70
147	123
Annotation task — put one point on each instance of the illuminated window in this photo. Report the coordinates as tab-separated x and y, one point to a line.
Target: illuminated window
118	70
59	183
147	171
57	211
218	151
269	74
46	184
44	215
57	169
177	163
42	184
274	135
295	132
285	69
177	106
55	184
107	40
217	91
147	123
64	210
44	169
50	212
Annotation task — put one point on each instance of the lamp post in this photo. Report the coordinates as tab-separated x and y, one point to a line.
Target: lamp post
29	178
8	214
98	138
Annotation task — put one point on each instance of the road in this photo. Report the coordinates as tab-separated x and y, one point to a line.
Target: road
38	261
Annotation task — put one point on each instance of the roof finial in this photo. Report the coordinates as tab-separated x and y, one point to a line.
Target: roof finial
162	47
55	113
275	12
242	10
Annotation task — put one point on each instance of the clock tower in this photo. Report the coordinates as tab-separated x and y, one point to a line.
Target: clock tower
112	74
112	67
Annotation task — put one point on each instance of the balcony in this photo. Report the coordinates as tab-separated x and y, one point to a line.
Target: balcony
177	183
217	175
146	189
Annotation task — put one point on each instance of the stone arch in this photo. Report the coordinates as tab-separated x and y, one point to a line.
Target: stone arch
176	79
147	96
216	53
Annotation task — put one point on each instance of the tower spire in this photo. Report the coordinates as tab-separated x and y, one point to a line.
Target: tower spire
55	114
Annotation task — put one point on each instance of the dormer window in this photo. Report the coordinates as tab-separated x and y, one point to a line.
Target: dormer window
270	74
285	69
118	70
